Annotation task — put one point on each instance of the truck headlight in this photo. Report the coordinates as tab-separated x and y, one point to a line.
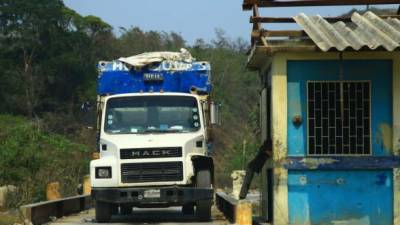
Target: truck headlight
103	172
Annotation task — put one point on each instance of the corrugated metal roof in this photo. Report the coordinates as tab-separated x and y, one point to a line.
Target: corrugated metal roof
367	30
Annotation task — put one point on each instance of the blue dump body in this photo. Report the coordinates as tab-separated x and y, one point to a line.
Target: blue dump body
168	76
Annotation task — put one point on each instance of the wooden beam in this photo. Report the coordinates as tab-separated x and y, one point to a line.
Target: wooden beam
271	20
256	26
278	33
284	33
248	4
273	49
256	13
263	41
254	19
291	20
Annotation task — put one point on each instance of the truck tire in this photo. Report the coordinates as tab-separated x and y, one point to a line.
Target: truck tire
188	209
103	212
203	207
114	209
126	210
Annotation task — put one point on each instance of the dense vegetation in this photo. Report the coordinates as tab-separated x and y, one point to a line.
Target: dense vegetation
48	62
31	158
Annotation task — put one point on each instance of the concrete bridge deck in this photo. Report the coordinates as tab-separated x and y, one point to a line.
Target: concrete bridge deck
158	216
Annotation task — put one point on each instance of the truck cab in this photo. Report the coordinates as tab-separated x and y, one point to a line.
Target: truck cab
153	138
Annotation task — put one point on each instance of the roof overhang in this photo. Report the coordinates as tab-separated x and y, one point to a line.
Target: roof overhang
248	4
359	32
260	54
366	32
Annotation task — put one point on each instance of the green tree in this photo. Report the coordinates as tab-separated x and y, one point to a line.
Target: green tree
26	28
49	53
135	41
237	89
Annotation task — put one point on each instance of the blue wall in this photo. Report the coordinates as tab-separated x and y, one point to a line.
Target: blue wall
299	72
320	197
324	196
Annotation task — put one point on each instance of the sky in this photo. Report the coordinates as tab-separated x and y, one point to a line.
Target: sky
189	18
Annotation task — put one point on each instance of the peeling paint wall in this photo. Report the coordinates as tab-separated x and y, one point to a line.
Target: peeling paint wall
384	137
279	140
314	163
340	196
396	191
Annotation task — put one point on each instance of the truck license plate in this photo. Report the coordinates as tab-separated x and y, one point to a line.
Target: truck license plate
152	193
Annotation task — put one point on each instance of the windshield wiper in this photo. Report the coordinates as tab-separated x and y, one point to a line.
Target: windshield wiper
153	131
165	131
177	131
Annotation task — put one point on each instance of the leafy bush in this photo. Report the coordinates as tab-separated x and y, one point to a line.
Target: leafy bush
30	158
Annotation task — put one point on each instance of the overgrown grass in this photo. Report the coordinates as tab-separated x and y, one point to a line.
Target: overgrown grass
6	219
30	158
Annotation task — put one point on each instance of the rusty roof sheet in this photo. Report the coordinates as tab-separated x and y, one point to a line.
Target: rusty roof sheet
365	31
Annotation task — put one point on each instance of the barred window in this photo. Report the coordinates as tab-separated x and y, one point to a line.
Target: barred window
339	117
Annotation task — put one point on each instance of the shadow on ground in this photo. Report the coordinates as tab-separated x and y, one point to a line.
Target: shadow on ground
159	216
164	215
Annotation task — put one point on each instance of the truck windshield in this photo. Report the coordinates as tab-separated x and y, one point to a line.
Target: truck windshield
151	114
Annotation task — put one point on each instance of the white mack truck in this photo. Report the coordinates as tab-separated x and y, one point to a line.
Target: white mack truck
154	116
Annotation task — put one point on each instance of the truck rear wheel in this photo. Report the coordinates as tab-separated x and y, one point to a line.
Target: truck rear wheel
203	207
103	212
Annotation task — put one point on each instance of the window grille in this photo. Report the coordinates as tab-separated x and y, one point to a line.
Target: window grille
339	117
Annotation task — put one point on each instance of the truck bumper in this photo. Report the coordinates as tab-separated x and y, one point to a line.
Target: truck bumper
169	196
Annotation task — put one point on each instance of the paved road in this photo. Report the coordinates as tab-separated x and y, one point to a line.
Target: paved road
164	216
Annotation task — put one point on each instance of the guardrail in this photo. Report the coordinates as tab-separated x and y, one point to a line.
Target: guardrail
42	212
236	211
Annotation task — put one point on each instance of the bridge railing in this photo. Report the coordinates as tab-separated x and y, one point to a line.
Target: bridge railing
42	212
236	211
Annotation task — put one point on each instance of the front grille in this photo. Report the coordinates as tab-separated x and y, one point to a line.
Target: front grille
143	153
151	172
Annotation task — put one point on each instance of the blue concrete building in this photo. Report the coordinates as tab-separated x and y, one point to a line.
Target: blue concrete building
330	103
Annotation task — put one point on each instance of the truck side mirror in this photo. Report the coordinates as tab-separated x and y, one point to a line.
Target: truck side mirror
215	118
87	115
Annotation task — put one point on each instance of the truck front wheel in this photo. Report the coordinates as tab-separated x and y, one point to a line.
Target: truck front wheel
103	212
126	210
203	207
114	209
188	209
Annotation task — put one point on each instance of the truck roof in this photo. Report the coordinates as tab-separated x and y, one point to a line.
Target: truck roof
154	72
